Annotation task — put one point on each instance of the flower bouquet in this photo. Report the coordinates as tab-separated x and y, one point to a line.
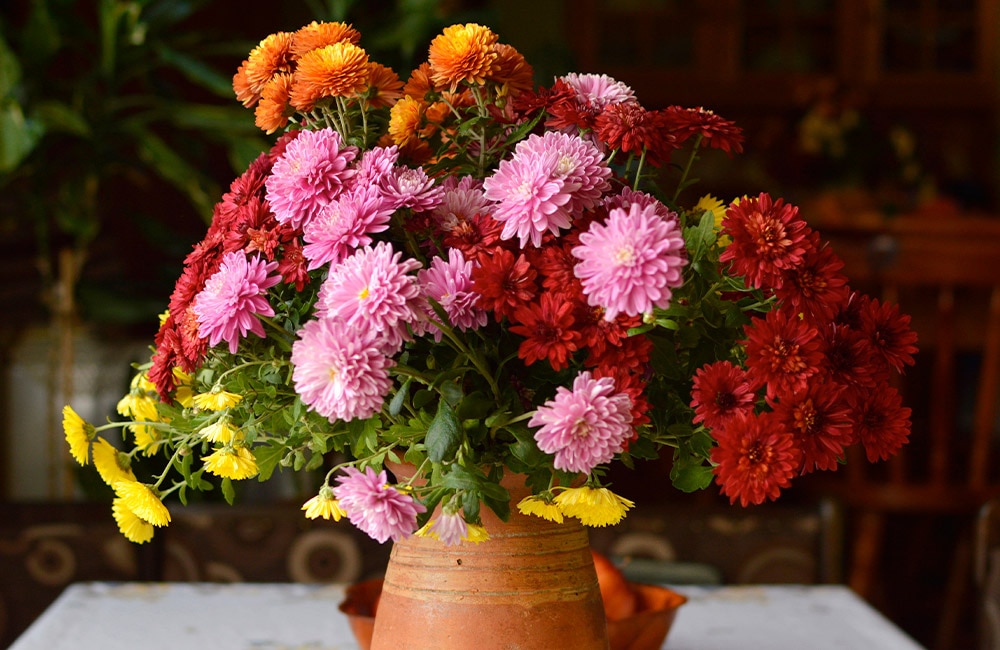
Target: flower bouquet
477	277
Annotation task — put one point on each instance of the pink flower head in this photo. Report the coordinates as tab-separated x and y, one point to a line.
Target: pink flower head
311	173
376	165
376	507
344	224
627	196
371	289
407	187
339	370
598	90
581	167
632	262
228	306
586	426
450	528
449	283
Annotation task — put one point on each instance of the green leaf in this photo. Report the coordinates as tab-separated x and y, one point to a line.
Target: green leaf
396	404
228	491
10	69
196	71
690	476
175	169
444	435
475	406
267	457
58	116
18	136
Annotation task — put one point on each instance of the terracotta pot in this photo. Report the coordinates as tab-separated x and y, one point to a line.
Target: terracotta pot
532	585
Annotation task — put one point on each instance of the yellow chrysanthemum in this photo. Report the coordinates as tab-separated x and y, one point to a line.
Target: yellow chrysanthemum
476	534
235	463
709	203
216	400
473	532
78	434
184	389
221	431
111	464
462	53
132	527
539	507
147	439
338	70
404	119
316	35
324	505
143	502
593	506
138	405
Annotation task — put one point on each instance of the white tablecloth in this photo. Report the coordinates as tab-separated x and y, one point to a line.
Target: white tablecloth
245	616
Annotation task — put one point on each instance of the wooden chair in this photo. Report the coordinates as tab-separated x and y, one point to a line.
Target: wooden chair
946	274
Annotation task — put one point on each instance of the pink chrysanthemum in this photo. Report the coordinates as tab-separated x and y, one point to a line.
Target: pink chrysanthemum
631	263
449	283
412	188
376	165
311	173
228	306
598	90
531	199
449	528
586	426
343	225
376	507
339	370
371	289
581	167
627	197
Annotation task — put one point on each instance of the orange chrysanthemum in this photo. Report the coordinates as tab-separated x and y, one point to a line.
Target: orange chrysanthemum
384	86
273	110
338	70
419	83
462	53
404	119
512	70
271	56
316	35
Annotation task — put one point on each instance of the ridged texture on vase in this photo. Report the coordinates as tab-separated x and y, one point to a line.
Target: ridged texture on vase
532	585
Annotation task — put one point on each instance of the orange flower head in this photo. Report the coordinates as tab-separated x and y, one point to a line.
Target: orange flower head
384	86
273	110
419	83
271	56
462	53
512	71
404	119
338	70
437	112
316	35
241	86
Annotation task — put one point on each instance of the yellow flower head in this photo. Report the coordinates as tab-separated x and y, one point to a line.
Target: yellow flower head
78	434
138	405
540	507
709	203
132	527
324	505
593	506
111	464
147	439
184	392
235	463
462	53
338	70
476	534
216	400
143	502
221	431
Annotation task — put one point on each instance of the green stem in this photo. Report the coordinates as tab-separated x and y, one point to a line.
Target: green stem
687	168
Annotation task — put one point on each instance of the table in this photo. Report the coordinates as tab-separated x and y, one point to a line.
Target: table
248	616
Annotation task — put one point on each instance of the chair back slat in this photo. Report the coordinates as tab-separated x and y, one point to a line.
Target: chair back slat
986	398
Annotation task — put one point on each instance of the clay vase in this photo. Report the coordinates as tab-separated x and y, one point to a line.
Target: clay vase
532	585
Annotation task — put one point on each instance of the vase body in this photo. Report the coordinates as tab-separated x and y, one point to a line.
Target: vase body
532	585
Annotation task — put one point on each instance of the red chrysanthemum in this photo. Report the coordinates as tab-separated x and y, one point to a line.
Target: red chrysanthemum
783	352
768	239
630	128
633	384
719	393
547	328
820	421
477	237
566	111
716	132
817	288
293	266
599	333
889	333
755	458
503	282
848	357
881	422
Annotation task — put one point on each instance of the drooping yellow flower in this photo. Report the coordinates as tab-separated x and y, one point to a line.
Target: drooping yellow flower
78	434
476	534
143	502
324	505
183	391
221	431
147	439
338	70
138	405
216	400
462	53
593	506
231	462
539	507
111	464
132	527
